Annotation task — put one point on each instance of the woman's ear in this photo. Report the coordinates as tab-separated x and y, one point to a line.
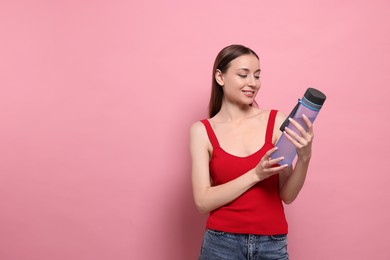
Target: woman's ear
219	77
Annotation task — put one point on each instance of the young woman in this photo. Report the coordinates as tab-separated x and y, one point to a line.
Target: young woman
234	178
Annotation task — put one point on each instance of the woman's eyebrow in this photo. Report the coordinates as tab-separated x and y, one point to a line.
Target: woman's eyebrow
247	70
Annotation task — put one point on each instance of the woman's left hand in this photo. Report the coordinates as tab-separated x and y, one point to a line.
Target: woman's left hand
302	142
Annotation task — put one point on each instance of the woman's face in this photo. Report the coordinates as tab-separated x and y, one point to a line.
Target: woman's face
241	81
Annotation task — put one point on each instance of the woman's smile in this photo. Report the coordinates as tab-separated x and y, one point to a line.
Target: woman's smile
249	93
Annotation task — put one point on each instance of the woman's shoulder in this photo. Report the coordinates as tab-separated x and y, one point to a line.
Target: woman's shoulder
199	136
198	129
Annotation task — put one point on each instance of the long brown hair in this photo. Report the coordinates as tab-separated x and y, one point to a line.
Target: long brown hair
222	62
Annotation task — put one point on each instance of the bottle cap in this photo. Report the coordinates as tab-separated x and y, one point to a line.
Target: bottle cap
315	96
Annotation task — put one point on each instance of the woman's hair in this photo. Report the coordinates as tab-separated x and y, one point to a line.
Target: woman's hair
222	62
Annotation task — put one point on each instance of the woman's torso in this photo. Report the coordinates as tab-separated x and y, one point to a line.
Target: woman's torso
234	150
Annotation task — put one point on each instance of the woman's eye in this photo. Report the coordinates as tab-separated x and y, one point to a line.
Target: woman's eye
257	76
242	76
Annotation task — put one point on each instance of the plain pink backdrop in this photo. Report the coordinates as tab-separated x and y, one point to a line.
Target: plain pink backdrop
96	101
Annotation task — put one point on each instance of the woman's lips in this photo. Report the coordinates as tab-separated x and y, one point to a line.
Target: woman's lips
248	93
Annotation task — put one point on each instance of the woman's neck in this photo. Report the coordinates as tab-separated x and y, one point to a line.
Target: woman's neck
234	113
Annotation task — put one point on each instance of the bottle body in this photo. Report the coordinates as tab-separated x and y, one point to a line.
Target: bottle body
285	147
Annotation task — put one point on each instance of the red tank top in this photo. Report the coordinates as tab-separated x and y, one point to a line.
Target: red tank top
259	210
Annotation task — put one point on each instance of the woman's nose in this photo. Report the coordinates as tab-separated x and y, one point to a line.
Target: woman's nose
251	81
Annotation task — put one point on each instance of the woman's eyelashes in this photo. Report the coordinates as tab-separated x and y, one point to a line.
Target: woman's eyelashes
246	75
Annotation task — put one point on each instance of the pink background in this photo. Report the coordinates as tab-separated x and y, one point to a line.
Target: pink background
97	98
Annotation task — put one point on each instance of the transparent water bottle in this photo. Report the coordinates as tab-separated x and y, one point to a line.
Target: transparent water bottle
310	106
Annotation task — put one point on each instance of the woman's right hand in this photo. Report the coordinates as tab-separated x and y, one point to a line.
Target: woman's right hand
268	167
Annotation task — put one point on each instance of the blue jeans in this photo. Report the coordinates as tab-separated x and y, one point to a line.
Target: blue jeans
222	245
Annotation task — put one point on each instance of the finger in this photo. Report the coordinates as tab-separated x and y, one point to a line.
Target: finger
307	134
268	154
264	164
309	124
275	161
307	120
304	139
277	169
297	126
269	162
292	140
296	136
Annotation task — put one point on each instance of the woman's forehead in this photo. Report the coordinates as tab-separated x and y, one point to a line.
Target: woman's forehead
245	62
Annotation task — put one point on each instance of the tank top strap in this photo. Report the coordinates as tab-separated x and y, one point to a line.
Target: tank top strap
210	133
270	126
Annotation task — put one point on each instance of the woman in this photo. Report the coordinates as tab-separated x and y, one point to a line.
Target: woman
234	178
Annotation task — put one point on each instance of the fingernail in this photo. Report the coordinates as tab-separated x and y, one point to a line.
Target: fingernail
304	115
290	118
